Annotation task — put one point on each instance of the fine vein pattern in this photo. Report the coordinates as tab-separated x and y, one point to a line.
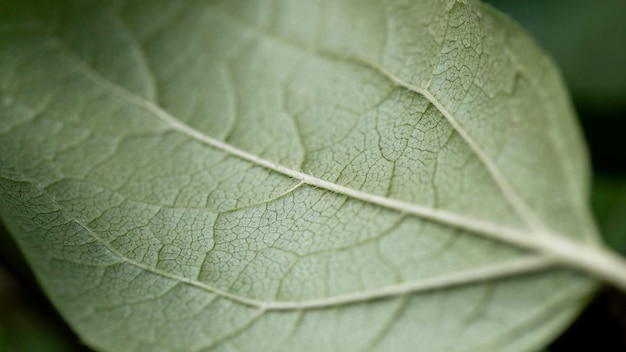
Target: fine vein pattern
293	175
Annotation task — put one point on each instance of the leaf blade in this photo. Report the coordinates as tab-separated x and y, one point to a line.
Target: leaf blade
129	199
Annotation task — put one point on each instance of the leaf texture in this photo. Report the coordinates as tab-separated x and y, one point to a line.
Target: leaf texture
292	175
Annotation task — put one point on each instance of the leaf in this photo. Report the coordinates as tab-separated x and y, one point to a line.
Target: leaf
296	175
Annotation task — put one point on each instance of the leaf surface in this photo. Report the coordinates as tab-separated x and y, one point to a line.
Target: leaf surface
293	175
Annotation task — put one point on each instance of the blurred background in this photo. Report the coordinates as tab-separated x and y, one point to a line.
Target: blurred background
588	41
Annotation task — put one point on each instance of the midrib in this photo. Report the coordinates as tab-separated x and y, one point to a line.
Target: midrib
522	265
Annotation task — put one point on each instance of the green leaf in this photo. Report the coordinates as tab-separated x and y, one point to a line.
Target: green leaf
295	175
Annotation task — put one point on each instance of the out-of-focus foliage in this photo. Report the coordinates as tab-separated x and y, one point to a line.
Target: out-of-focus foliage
25	326
27	322
609	203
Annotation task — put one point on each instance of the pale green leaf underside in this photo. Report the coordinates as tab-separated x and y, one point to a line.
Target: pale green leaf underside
291	175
